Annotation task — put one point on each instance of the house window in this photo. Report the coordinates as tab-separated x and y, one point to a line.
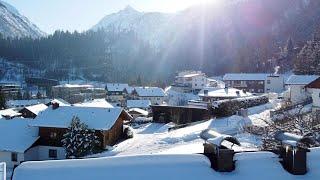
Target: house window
53	153
14	157
268	81
53	135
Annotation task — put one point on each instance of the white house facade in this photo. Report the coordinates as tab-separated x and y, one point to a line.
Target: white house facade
297	91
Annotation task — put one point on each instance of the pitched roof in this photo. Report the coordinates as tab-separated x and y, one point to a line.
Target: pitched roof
138	110
314	84
16	135
301	79
224	93
9	113
149	92
245	76
95	117
116	87
138	103
36	109
95	103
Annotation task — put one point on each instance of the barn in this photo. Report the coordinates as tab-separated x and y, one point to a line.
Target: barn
180	114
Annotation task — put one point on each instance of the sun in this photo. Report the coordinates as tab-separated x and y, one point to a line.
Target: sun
179	5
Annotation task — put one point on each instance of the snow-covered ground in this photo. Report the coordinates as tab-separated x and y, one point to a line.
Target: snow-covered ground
155	138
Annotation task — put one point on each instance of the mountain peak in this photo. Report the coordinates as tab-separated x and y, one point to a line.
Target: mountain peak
129	8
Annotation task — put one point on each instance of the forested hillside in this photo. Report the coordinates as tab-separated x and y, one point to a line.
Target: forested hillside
239	36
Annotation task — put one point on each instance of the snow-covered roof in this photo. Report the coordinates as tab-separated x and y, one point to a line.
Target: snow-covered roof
95	103
249	165
138	103
9	113
61	102
245	76
190	75
223	93
150	92
36	109
301	79
75	86
16	135
95	117
129	89
23	103
116	87
143	167
141	111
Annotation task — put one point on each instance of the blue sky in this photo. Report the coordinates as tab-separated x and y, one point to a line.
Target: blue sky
50	15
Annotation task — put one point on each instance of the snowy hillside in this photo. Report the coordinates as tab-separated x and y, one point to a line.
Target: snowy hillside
13	24
11	72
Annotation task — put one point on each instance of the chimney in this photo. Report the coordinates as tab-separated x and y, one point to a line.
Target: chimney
205	92
238	93
220	156
294	157
55	105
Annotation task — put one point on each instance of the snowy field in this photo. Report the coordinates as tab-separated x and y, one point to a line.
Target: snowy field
154	138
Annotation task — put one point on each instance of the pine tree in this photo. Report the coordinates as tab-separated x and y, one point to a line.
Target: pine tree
39	95
2	101
19	95
79	141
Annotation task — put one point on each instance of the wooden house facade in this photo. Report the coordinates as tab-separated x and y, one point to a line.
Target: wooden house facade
180	114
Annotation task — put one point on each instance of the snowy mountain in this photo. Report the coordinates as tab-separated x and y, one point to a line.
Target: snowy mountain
13	24
148	26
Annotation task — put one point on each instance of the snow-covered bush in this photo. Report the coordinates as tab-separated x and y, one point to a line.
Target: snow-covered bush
79	141
225	108
128	132
299	123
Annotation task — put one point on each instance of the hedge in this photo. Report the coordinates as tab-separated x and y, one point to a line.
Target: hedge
224	108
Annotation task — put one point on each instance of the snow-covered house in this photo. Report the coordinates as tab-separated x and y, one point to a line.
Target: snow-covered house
75	93
214	94
297	91
20	104
10	90
255	82
142	104
32	111
314	87
115	91
54	121
16	139
155	95
190	81
9	114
